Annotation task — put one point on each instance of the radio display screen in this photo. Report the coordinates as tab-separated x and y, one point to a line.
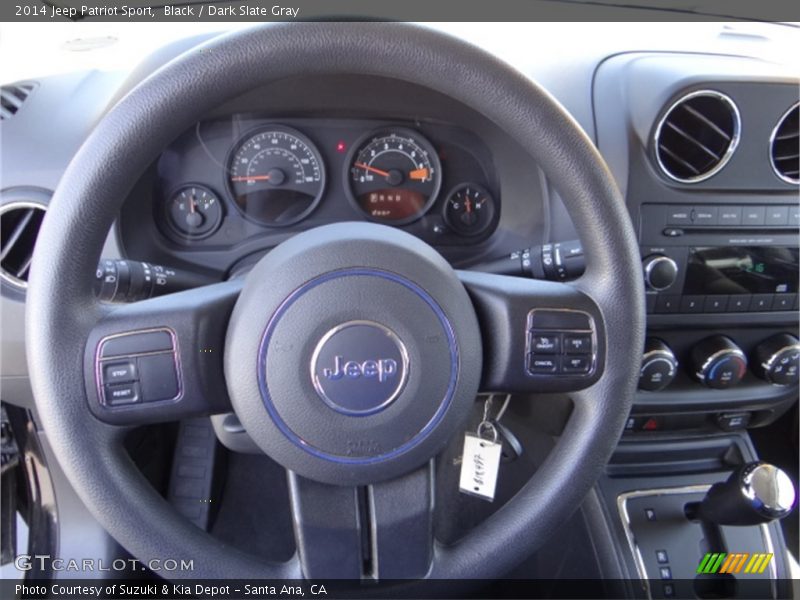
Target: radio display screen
741	270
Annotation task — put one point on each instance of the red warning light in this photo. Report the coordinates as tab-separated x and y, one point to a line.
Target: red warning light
341	147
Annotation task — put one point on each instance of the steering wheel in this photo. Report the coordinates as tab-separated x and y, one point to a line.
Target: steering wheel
351	353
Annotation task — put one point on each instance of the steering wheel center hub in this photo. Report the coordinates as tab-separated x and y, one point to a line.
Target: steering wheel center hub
361	369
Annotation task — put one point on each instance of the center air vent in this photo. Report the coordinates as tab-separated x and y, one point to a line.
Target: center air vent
12	97
19	226
697	136
784	146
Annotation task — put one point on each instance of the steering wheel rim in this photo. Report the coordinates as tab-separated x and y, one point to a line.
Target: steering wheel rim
61	307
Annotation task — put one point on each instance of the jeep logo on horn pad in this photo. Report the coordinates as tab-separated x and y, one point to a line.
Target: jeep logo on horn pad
359	368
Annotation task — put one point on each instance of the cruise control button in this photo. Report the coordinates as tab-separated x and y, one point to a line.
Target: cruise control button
577	344
576	364
543	364
118	372
546	343
122	393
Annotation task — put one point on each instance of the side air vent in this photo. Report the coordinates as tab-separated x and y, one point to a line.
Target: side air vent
12	97
697	136
19	226
784	146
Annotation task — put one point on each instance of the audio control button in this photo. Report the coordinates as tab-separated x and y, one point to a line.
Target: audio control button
761	302
692	304
777	215
703	216
753	216
730	215
660	272
715	304
783	301
739	303
668	304
679	215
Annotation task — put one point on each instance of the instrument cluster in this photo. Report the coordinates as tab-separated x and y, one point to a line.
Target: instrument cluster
228	180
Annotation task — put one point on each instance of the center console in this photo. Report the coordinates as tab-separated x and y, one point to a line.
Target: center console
700	146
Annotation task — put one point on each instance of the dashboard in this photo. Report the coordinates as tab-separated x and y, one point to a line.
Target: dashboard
268	166
227	180
310	150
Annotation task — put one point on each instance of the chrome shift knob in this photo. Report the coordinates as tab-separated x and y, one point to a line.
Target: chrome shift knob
755	493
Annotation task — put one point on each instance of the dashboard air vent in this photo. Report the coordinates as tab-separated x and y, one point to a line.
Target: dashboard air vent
697	136
19	226
12	97
784	146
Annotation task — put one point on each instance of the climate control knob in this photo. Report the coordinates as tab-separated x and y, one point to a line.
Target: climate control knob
659	366
777	359
718	362
660	272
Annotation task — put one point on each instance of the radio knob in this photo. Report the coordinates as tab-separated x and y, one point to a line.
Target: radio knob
777	359
659	366
718	362
660	272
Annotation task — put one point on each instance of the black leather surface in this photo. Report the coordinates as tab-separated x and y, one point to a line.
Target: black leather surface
60	309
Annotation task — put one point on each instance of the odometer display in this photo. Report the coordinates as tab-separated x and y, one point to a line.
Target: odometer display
276	176
394	176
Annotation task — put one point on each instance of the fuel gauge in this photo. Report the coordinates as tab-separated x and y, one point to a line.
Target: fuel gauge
194	211
469	209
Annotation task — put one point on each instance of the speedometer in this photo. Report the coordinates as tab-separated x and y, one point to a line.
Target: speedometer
276	176
394	176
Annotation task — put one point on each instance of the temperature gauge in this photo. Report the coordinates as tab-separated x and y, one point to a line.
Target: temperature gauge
469	209
194	211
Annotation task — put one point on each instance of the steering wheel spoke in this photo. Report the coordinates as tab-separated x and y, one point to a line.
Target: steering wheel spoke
160	359
380	531
538	336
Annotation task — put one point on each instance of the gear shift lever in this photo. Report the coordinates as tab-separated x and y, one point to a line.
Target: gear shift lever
755	493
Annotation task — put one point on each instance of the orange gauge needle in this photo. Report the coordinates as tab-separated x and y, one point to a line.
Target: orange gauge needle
251	178
419	174
468	206
373	169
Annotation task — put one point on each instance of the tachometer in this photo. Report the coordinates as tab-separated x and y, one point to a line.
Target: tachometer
276	176
394	176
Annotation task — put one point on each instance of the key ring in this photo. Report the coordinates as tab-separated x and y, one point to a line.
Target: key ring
486	427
